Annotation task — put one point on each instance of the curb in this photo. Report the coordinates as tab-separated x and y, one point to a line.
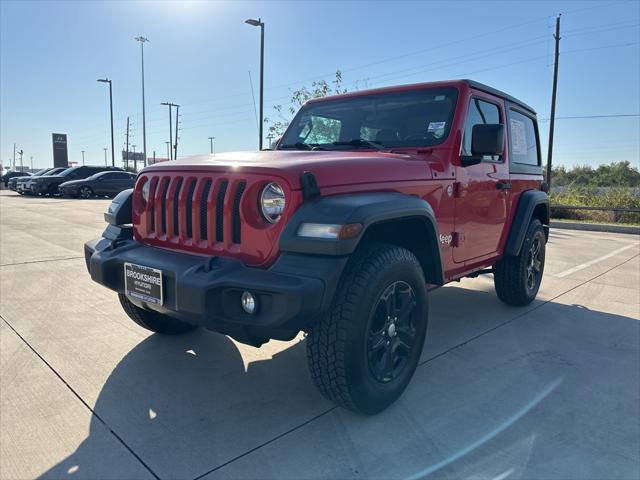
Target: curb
596	227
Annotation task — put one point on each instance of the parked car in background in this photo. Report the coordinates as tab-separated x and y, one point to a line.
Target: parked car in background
23	184
103	184
13	174
48	184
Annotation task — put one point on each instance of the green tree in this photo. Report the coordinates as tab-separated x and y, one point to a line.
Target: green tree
284	113
616	174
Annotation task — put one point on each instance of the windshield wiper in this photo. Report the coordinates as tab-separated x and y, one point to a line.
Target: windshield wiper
296	146
361	142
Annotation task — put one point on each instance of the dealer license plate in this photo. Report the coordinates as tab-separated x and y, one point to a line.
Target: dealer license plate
143	283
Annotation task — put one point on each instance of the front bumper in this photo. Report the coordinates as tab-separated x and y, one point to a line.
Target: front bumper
68	191
206	291
37	187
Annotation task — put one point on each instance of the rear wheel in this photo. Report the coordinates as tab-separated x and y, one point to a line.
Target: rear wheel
517	279
85	192
363	353
154	321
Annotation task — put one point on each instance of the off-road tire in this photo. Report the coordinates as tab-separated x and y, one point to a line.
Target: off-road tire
510	273
337	351
154	321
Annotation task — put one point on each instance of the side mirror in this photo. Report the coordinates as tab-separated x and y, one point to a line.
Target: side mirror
486	139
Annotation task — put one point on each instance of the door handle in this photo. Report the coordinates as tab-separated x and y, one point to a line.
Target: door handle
503	186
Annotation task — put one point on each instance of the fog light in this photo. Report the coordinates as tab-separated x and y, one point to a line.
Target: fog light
249	303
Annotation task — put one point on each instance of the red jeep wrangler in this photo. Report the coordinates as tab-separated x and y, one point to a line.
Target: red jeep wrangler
369	200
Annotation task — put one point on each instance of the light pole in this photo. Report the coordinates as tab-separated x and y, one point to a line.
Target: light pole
142	41
211	139
113	153
259	23
82	157
105	156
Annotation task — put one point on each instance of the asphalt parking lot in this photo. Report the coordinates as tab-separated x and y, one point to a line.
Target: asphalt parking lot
548	391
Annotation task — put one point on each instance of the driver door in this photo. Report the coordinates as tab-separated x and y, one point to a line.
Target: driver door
482	189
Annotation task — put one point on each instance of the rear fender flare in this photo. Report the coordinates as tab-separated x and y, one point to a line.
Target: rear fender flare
529	201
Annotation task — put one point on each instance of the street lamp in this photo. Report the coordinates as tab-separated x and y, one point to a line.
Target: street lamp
259	23
142	41
211	139
113	153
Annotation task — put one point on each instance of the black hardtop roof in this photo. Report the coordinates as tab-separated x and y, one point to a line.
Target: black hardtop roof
493	91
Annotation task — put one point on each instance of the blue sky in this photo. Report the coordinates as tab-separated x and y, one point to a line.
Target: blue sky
199	55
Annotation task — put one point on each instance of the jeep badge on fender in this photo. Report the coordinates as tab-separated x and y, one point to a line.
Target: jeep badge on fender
367	201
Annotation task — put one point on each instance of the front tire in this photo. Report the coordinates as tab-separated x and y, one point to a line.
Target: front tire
154	321
517	279
363	353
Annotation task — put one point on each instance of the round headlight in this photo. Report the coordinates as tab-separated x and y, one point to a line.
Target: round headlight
145	190
272	202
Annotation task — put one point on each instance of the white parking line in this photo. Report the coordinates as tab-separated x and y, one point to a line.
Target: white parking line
582	266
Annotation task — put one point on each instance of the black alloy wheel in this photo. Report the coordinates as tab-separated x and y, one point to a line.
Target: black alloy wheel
86	192
534	264
392	332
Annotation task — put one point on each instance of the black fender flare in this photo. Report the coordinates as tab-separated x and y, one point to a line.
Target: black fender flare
119	211
527	204
368	209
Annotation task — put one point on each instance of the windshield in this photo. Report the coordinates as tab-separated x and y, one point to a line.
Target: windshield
41	172
66	172
397	119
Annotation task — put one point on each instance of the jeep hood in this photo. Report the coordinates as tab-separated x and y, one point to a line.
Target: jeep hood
331	168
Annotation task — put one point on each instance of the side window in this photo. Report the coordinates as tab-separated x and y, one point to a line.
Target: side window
321	130
523	139
480	112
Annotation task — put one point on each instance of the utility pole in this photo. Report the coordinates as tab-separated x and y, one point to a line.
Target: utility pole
168	150
211	139
552	117
82	157
20	153
135	160
126	161
175	152
31	161
14	156
170	105
154	157
142	41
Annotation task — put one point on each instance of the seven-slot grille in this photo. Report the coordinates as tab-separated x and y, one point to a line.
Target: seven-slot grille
201	211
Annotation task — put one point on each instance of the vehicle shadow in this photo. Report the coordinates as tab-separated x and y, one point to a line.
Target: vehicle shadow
519	399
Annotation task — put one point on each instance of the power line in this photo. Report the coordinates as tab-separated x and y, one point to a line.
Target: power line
615	115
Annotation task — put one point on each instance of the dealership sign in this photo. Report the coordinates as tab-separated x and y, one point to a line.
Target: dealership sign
60	155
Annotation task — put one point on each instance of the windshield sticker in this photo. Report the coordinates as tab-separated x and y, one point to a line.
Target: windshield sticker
436	126
518	137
